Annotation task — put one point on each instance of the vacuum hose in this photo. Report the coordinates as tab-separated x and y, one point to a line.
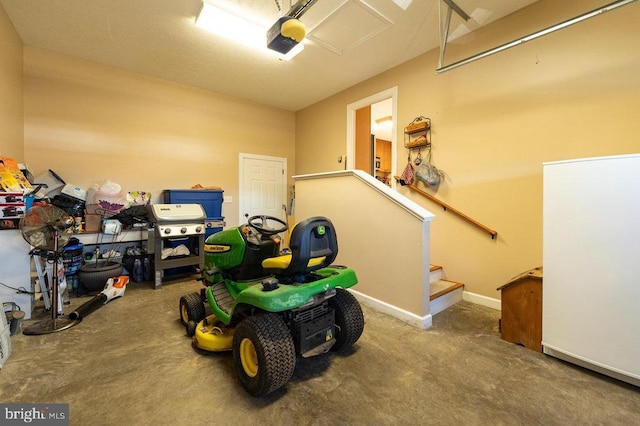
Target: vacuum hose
89	307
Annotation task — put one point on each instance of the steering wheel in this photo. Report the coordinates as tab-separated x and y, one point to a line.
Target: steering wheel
262	227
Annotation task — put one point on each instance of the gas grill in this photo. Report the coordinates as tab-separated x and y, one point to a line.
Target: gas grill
175	224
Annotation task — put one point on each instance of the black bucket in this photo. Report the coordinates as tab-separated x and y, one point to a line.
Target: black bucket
72	256
14	317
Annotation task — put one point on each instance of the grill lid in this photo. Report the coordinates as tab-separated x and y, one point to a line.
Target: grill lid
163	213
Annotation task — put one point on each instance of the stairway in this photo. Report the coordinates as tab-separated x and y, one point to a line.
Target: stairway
443	293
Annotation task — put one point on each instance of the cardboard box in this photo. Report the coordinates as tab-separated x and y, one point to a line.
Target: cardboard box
9	224
12	211
12	179
92	222
11	198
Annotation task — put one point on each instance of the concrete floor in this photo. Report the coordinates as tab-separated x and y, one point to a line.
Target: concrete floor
131	363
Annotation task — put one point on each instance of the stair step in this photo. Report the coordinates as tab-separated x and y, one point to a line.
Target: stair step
442	287
443	294
435	273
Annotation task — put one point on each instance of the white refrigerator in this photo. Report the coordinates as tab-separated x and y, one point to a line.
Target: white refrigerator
591	258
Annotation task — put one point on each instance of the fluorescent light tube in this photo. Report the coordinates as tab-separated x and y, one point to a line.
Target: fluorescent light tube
238	29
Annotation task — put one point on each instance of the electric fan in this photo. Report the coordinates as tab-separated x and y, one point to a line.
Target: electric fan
48	228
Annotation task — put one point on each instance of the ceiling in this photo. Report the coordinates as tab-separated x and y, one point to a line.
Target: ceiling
347	41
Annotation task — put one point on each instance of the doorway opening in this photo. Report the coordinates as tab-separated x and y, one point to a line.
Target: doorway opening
372	135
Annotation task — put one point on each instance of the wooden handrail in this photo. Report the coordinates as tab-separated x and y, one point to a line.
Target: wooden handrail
446	207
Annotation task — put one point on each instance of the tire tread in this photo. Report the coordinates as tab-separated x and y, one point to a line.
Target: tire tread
349	319
276	353
195	308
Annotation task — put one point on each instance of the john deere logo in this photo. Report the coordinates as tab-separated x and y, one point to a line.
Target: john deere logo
216	248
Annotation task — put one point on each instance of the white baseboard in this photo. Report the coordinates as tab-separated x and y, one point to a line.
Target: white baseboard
618	374
399	313
416	320
478	299
445	301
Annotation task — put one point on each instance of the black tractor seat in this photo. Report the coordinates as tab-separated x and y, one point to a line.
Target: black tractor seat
313	245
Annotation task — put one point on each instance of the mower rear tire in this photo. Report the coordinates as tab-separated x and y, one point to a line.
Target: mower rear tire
191	308
263	353
349	319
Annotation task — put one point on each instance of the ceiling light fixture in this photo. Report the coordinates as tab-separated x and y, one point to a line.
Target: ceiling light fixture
384	120
233	27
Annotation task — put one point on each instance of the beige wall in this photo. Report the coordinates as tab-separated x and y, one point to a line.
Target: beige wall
89	122
11	106
575	93
391	262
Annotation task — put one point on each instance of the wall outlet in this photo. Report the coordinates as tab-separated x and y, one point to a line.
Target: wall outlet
228	199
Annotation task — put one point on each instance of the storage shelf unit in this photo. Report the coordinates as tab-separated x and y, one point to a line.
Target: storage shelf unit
135	237
417	134
125	236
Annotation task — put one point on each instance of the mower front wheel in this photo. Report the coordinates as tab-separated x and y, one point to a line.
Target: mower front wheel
349	319
191	308
263	353
191	328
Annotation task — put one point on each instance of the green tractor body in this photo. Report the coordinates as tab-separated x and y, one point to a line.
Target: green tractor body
225	250
257	294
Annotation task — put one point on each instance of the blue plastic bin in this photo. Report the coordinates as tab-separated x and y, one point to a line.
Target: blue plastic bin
210	200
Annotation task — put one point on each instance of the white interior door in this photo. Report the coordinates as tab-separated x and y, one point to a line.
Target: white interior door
263	183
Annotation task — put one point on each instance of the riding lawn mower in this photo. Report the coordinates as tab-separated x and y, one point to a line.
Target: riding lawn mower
268	307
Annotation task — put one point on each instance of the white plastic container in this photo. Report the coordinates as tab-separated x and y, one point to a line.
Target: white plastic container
75	192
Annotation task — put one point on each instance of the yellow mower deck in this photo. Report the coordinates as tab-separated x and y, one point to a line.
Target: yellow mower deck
212	335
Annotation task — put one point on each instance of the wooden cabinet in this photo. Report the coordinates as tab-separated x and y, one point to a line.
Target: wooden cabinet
383	154
383	161
521	321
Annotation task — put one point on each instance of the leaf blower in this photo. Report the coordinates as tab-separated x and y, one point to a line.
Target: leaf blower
114	288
